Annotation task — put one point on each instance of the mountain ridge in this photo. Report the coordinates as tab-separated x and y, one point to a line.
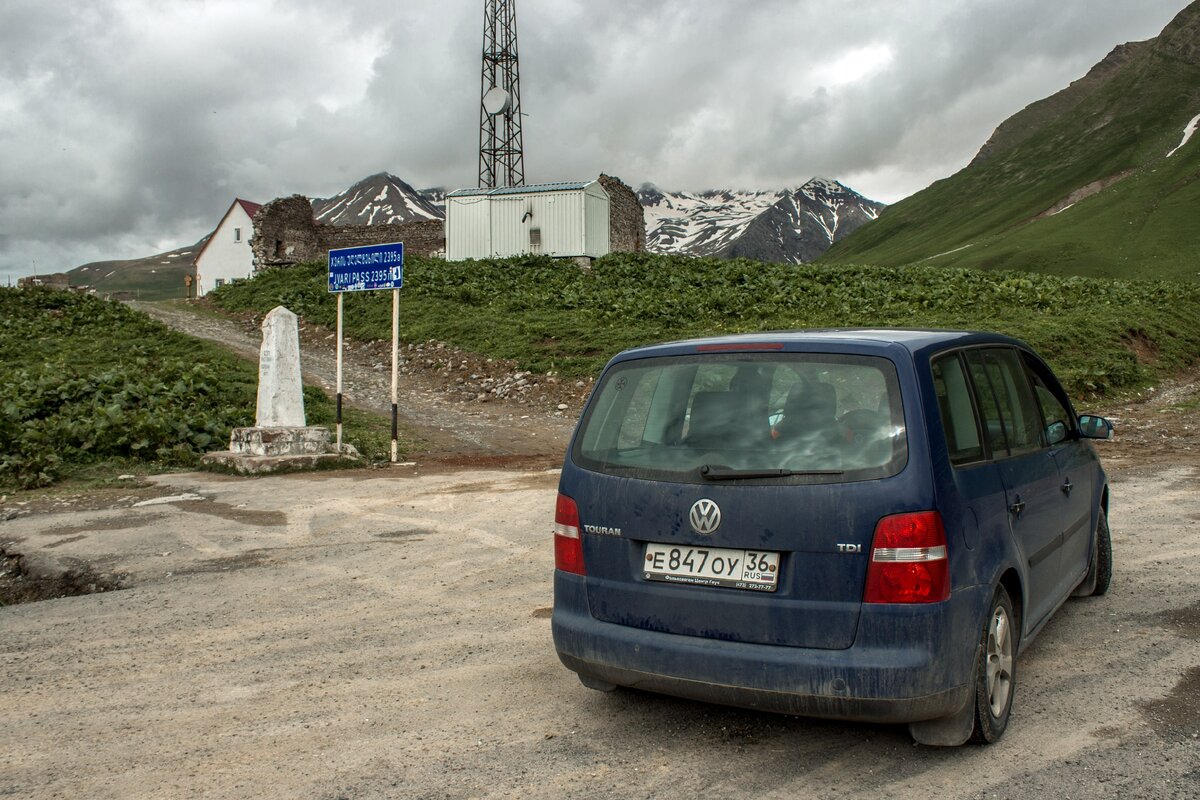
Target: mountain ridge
735	222
156	277
377	199
786	225
1088	181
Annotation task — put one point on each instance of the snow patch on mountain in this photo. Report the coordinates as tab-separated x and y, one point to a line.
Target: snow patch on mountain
1187	134
790	226
377	200
436	197
701	223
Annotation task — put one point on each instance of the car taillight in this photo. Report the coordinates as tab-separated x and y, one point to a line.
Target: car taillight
568	547
908	560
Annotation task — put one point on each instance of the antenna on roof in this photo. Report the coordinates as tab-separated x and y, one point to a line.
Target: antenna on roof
501	145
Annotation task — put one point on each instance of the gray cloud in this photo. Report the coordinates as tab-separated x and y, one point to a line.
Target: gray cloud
129	125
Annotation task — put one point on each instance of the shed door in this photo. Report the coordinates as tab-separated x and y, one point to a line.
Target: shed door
510	226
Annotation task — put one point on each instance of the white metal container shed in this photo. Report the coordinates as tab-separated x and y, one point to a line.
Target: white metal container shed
564	220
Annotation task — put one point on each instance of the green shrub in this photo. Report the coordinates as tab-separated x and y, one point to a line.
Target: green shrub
549	315
83	380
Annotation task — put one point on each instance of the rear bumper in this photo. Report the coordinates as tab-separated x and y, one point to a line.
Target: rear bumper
908	663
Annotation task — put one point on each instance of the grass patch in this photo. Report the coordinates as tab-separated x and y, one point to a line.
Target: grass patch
88	386
547	315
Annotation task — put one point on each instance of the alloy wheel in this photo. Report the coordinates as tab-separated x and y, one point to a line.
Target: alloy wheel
999	662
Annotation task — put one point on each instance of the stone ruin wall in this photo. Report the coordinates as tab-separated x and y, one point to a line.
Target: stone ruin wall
626	220
420	238
286	234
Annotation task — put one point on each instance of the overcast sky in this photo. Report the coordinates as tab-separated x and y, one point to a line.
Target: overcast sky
127	127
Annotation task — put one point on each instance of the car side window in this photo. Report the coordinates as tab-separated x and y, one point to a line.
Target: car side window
1018	409
1057	419
958	412
989	406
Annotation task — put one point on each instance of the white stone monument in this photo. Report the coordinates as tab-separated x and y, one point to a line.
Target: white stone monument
280	437
280	391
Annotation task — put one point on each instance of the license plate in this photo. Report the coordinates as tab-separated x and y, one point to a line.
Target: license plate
757	570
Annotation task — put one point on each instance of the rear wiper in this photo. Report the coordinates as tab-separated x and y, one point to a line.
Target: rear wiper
713	473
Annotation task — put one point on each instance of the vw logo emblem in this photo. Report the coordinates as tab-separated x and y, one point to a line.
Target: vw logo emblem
705	516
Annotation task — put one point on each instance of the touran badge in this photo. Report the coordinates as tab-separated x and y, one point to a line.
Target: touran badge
705	516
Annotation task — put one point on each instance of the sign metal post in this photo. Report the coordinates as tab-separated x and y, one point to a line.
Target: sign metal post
339	371
395	366
364	269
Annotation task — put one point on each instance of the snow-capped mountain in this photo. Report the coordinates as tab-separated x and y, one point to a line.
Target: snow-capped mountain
789	226
436	197
700	223
376	200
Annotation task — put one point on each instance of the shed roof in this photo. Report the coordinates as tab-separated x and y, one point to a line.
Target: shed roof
533	188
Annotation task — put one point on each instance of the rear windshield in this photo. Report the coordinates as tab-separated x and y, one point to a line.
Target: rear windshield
787	417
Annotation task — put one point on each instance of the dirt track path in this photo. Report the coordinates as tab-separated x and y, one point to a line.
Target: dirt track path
1160	426
432	406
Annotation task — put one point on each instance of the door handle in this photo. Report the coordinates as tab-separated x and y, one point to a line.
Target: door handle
1017	507
1067	487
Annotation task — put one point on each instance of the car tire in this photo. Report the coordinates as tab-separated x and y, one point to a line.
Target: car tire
995	674
1102	561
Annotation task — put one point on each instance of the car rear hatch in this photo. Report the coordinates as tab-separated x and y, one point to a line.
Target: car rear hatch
686	469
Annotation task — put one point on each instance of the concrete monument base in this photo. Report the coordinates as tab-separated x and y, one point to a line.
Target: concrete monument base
281	440
245	464
254	451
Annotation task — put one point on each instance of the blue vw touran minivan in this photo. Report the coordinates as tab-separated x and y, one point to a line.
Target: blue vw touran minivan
856	524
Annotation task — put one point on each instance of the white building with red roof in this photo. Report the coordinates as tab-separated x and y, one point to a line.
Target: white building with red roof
226	256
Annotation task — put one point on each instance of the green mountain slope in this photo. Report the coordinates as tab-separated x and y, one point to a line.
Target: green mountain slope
157	277
1078	183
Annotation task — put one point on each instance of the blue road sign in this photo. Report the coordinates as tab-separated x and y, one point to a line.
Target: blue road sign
362	269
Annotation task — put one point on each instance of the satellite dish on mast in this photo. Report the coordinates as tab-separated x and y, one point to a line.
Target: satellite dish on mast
497	101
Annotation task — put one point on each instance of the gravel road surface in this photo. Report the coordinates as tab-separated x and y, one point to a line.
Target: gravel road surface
385	634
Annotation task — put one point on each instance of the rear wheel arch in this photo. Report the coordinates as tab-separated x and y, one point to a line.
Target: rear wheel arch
996	674
1011	581
978	720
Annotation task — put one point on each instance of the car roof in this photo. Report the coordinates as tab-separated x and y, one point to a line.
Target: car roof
914	340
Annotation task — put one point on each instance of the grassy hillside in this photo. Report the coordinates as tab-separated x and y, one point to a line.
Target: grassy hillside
157	277
1146	226
89	385
551	316
1116	125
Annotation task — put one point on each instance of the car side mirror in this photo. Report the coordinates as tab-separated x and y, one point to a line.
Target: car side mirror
1093	427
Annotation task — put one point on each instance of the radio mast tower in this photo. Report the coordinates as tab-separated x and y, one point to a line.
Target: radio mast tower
501	147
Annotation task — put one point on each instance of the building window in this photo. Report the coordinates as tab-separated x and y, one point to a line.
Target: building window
219	282
237	234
